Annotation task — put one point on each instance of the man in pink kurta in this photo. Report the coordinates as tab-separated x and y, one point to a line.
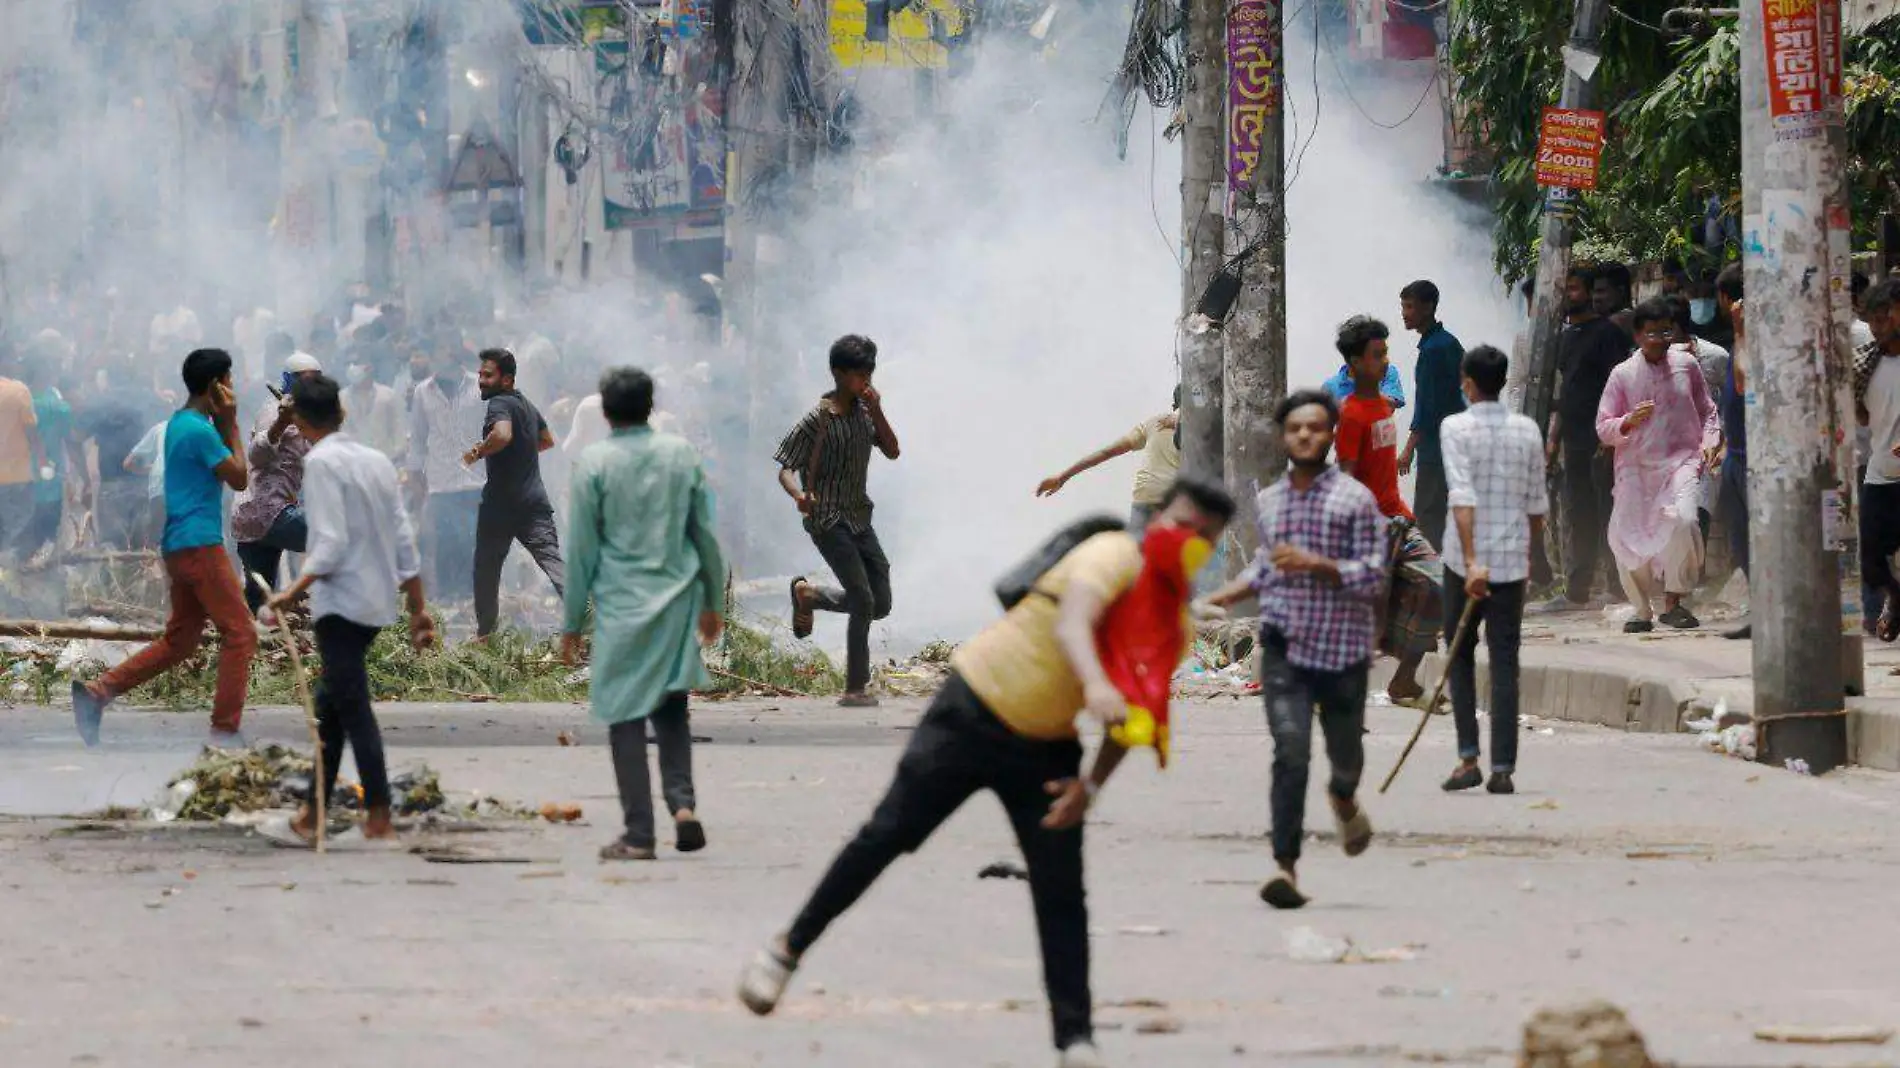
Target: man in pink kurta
1656	413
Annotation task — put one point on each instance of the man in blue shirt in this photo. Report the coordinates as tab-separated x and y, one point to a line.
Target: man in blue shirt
1391	387
1440	395
203	454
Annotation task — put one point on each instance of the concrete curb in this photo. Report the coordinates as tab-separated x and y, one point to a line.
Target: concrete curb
1648	704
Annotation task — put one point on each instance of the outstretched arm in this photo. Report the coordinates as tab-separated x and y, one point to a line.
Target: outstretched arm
1051	486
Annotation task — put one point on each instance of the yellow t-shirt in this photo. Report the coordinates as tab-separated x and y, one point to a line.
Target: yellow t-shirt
16	418
1016	665
1160	458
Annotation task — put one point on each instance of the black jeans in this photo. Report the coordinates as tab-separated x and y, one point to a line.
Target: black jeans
343	708
1502	617
43	527
289	532
498	526
1589	476
673	731
1292	693
858	562
1431	501
1879	534
960	747
1733	504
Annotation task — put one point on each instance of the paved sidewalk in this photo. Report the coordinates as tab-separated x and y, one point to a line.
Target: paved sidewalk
1580	667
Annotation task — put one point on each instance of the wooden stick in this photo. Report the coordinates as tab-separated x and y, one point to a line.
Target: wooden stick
30	628
1464	629
309	708
780	690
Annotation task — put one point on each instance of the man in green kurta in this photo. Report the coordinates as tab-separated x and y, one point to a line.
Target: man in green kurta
641	545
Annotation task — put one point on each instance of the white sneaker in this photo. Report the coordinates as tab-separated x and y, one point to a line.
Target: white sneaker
764	980
1081	1055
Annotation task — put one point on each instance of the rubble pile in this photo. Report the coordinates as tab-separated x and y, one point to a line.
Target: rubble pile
1594	1034
918	676
230	784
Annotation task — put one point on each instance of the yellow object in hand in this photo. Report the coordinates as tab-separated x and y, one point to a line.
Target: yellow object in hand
1138	730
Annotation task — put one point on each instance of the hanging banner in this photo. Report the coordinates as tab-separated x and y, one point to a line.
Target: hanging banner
1569	148
1804	66
1253	86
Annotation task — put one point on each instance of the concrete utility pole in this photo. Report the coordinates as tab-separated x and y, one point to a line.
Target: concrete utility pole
1553	258
1791	176
1203	108
1255	365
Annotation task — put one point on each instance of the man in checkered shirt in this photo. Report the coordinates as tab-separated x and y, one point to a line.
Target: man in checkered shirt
1494	465
1319	575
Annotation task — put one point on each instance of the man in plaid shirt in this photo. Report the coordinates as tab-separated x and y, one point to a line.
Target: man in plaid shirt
1319	574
1494	464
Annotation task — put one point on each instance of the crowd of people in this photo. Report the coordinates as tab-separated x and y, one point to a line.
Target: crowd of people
1647	437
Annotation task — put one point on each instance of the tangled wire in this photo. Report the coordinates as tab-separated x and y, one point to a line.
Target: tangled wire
1154	62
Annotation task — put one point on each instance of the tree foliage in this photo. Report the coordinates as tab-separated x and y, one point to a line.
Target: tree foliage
1674	131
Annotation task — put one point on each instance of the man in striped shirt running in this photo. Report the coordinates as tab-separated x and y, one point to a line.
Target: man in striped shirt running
824	462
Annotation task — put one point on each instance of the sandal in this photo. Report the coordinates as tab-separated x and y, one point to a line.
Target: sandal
1280	892
1355	833
801	611
689	836
1889	626
619	849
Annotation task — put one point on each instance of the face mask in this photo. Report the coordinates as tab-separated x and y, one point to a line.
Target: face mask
1702	311
288	380
357	374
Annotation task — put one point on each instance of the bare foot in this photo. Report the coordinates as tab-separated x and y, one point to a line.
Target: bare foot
379	824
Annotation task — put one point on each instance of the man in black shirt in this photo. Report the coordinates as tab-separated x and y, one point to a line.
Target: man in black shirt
1590	348
823	465
515	504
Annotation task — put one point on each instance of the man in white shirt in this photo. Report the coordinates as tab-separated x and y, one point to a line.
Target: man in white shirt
1877	403
1158	441
361	551
375	411
445	415
1494	466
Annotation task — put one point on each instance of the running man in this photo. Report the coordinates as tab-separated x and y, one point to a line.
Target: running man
1005	722
515	505
824	464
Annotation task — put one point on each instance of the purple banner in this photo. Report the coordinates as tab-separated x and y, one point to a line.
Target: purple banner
1253	85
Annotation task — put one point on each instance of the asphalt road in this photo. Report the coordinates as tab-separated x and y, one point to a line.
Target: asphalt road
1707	896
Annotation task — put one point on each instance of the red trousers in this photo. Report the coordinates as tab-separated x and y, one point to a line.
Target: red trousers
203	587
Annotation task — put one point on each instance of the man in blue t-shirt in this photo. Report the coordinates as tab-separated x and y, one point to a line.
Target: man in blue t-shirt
203	455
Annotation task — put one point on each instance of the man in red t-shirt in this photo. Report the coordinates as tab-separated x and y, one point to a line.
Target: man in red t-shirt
1368	441
1368	448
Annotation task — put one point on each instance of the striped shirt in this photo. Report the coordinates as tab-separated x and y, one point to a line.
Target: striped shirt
832	455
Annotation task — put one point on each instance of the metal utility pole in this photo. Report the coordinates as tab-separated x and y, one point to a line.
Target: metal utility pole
1255	363
1791	175
1553	258
1203	108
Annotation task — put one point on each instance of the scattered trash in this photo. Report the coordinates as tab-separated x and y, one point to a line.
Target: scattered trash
1797	765
566	738
1307	946
1159	1025
1736	741
1004	869
1825	1036
558	812
1413	992
1144	931
1546	804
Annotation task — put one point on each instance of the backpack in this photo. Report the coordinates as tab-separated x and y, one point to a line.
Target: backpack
1020	581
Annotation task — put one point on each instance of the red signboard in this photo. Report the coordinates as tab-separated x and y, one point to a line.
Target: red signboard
1803	39
1569	148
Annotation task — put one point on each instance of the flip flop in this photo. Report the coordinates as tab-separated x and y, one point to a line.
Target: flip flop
801	612
1889	626
1355	834
279	832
